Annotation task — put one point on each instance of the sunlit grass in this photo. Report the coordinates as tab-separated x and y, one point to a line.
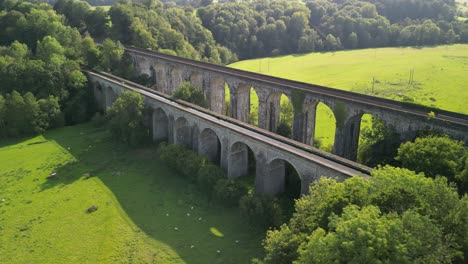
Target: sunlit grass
146	213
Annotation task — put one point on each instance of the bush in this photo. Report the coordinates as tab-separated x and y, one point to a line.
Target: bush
190	94
182	160
169	154
126	119
284	129
191	164
207	178
261	211
229	191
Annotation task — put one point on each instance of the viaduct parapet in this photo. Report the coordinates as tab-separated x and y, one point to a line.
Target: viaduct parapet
169	72
227	141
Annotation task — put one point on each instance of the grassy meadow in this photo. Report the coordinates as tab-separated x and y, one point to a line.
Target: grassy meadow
105	7
440	76
146	213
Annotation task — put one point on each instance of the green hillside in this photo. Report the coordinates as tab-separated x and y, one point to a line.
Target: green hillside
146	214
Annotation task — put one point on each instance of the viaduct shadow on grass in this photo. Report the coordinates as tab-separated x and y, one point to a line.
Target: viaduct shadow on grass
168	208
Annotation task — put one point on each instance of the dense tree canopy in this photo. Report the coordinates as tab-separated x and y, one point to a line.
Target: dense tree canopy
148	24
394	216
436	156
264	28
40	56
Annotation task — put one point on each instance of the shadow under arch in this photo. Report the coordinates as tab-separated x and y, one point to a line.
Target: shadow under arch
241	160
182	131
160	125
284	178
209	145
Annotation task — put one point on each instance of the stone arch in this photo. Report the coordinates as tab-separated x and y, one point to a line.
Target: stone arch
230	109
216	97
280	109
182	132
350	137
253	107
239	161
325	127
283	176
209	145
160	125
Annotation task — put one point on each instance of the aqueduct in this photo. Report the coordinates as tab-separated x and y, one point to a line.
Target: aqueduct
227	141
170	71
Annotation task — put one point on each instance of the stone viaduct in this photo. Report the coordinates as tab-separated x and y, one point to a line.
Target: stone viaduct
227	141
169	72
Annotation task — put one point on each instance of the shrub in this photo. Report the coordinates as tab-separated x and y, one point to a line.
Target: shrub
180	159
169	154
207	178
126	118
261	211
229	191
190	94
191	164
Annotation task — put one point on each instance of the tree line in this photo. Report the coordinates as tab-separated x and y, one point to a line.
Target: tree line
265	28
148	24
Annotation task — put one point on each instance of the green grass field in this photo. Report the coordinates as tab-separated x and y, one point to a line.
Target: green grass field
106	8
440	75
146	213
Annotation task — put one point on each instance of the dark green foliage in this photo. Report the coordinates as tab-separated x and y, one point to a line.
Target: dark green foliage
126	119
47	64
25	115
207	178
378	145
148	25
190	94
462	176
284	129
263	211
169	153
339	222
229	191
185	162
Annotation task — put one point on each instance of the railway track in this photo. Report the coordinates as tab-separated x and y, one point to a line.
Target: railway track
346	96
